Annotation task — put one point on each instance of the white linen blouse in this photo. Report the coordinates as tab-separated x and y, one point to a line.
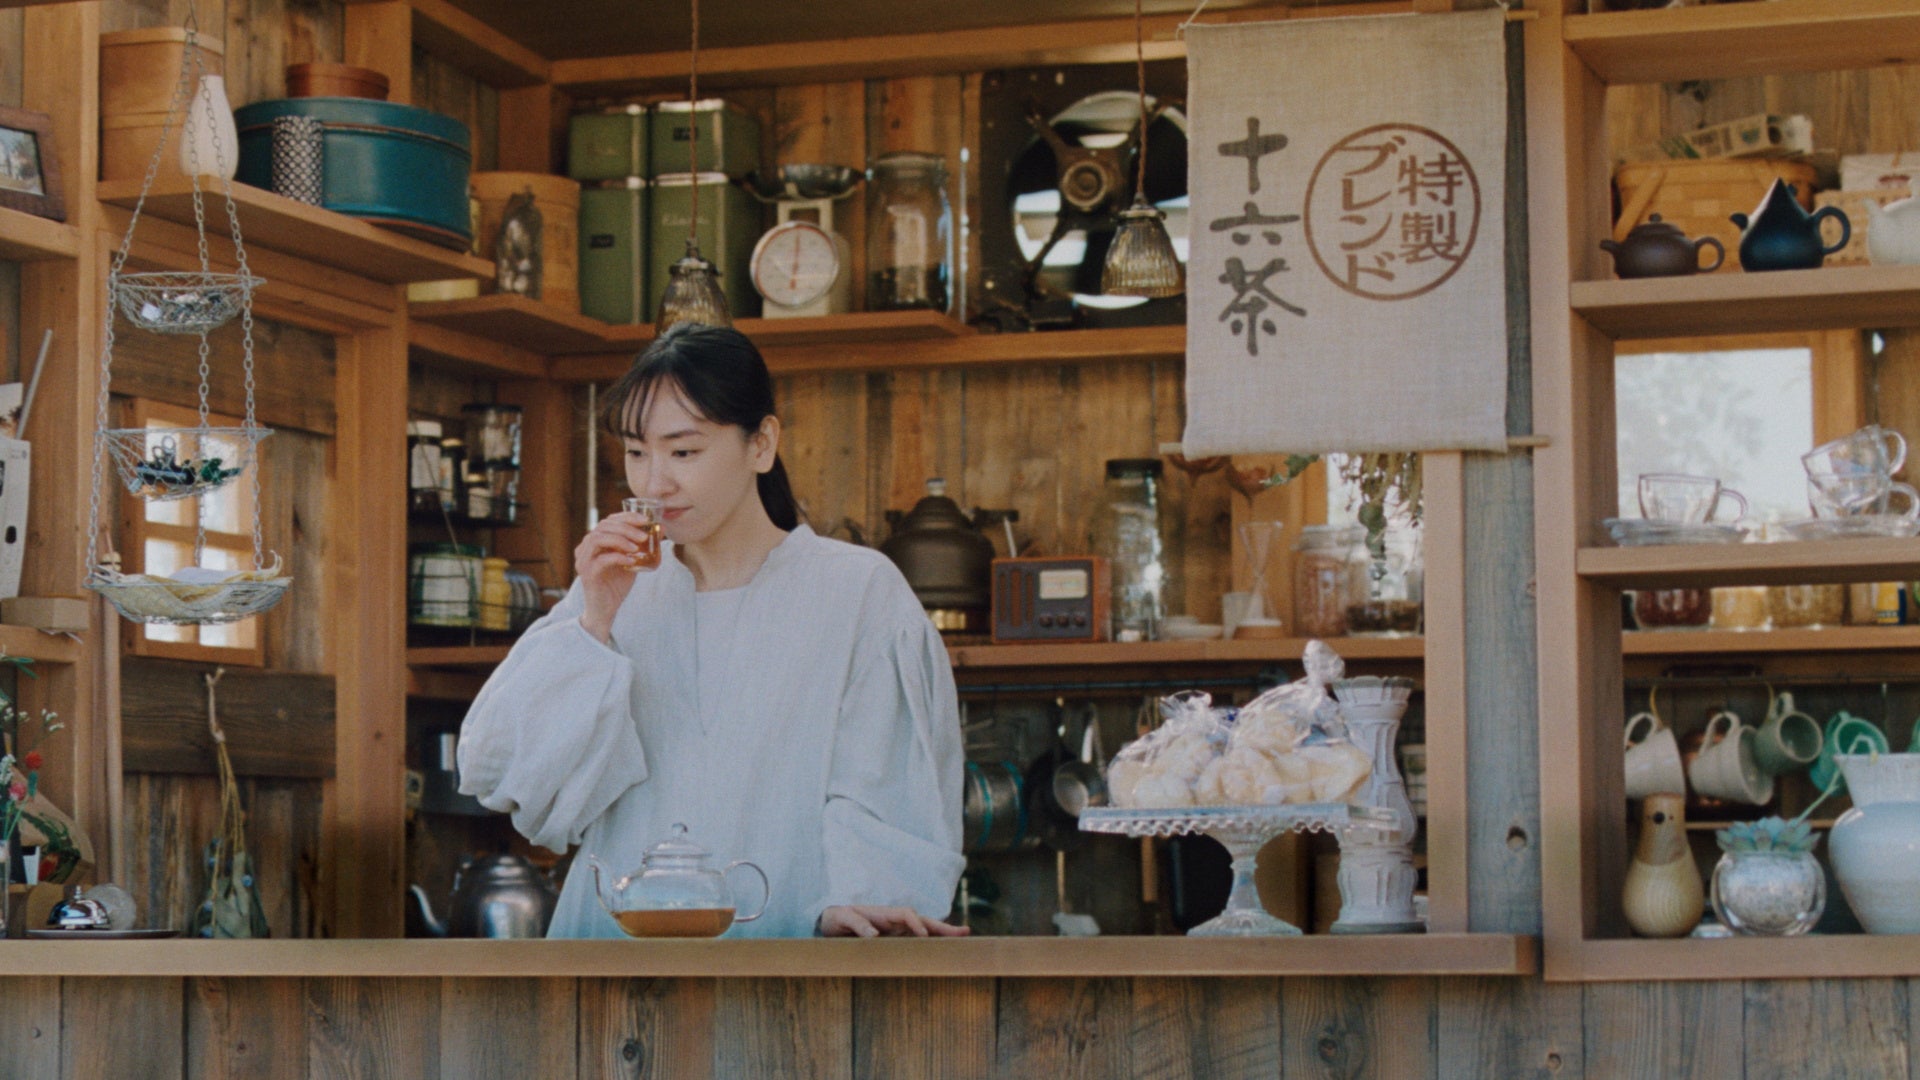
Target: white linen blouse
827	751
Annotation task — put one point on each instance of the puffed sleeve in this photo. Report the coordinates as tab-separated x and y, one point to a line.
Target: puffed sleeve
893	813
551	738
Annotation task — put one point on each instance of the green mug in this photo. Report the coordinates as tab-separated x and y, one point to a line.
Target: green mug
1789	739
1846	734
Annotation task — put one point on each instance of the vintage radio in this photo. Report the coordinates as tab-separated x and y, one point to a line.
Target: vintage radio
1057	599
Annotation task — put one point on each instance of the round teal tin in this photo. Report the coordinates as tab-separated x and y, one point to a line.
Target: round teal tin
393	165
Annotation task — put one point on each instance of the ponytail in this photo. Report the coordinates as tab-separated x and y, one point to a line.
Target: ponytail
776	494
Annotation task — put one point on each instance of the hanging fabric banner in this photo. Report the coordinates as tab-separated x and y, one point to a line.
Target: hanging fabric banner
1346	287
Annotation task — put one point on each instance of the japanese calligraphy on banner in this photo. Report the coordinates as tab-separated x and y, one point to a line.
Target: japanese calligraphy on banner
1346	282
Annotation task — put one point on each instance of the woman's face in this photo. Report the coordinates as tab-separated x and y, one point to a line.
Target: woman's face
701	472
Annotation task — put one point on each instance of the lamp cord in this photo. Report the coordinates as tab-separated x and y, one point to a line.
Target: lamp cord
1140	64
693	125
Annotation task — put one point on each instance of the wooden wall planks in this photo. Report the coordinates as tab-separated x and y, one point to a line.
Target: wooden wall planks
508	1028
246	1029
363	1029
1073	1029
30	1028
923	1027
643	1028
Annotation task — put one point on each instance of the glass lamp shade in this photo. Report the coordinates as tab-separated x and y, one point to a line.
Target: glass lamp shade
692	294
1141	261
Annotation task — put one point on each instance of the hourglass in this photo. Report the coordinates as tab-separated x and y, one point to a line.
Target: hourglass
1251	613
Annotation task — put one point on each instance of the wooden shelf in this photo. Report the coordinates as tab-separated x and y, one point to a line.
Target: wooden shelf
457	656
1813	956
853	343
27	238
521	322
1725	41
1736	642
1715	826
1104	654
1449	955
320	236
1796	563
1830	298
41	647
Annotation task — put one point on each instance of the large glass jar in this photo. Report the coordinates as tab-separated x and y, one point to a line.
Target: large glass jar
1672	609
423	465
493	434
909	228
1329	576
1126	530
1806	605
1392	606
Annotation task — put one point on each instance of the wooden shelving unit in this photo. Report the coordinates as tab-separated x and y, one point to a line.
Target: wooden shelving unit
1570	62
27	238
1830	298
457	656
306	232
1733	40
522	322
1796	563
1108	654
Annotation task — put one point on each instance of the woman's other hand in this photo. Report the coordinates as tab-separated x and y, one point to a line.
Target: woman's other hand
605	564
860	920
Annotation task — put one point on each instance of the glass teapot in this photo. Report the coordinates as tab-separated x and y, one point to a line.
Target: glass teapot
675	893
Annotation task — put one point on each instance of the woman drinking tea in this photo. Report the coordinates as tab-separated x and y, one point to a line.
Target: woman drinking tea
781	693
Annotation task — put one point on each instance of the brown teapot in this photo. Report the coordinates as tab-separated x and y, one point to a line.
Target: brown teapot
946	558
1659	249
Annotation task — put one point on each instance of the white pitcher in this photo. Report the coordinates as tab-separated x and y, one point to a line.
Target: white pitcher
209	141
1875	847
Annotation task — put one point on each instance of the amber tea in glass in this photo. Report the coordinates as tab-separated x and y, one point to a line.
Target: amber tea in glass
648	510
675	922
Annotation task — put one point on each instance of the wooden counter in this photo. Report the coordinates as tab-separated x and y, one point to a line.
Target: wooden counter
1017	957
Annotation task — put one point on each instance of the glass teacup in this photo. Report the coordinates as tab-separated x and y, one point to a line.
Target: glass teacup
1678	497
648	511
1872	449
1833	495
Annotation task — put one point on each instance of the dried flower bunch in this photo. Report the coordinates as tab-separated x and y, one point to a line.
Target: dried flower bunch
1768	834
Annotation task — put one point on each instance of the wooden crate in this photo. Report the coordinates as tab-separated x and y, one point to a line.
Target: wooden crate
1700	196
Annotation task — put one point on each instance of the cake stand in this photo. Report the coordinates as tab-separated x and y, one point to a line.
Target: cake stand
1243	831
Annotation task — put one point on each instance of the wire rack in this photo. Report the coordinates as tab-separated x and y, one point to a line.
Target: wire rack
182	302
143	599
161	464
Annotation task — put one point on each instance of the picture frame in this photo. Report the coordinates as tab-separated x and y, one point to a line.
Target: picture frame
29	165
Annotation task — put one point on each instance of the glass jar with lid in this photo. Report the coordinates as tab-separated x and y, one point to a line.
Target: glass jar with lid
1127	531
909	230
1672	609
1329	576
493	434
443	585
423	465
1806	606
1395	579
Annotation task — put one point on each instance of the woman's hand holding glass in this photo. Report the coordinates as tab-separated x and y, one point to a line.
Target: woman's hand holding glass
606	561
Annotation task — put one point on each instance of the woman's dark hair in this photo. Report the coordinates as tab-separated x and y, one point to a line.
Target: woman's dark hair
718	373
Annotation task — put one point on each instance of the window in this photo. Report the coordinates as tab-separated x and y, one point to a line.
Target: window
159	540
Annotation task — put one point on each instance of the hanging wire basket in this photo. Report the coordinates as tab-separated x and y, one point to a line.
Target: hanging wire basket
161	464
206	598
183	302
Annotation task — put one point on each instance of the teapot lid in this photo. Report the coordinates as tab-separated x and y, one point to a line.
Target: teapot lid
1653	226
676	847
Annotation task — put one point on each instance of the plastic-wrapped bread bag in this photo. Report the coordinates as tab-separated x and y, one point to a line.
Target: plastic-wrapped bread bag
1157	770
1289	745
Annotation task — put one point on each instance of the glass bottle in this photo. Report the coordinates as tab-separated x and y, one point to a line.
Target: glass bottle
1329	576
1126	530
909	229
423	465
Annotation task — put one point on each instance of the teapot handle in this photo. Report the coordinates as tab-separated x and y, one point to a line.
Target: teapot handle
766	890
1719	253
599	887
1846	227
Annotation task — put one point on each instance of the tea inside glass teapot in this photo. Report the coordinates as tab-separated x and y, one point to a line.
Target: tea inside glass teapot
676	893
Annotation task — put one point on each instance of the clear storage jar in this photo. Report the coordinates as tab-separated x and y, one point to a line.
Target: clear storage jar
423	465
1805	606
1127	531
909	229
1740	607
443	585
1329	576
493	434
1672	609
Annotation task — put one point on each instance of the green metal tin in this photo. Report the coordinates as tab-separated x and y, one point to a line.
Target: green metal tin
730	225
729	138
393	165
614	284
609	145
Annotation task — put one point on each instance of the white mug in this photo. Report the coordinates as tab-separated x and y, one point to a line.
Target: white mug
1725	768
1653	761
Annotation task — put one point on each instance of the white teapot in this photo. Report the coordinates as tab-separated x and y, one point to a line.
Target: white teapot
1893	231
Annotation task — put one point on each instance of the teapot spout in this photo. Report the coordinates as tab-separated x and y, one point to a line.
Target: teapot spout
1739	220
1610	246
434	926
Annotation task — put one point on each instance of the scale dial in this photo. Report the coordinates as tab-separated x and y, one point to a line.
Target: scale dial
795	264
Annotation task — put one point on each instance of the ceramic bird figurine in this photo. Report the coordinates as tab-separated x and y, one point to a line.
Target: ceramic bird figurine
1663	897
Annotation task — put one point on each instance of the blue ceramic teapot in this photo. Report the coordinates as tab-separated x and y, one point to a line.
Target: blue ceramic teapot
1783	236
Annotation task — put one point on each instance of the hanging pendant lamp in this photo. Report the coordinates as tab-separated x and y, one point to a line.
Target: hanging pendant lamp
1141	261
693	284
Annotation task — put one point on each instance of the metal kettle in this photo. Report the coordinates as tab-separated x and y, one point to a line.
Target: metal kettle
499	896
945	557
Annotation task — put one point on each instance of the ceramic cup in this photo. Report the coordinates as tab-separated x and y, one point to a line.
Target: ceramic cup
1872	449
1847	494
1682	498
1653	759
1788	740
1726	768
1846	734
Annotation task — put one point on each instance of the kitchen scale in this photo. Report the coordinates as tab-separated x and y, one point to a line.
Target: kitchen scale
802	267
